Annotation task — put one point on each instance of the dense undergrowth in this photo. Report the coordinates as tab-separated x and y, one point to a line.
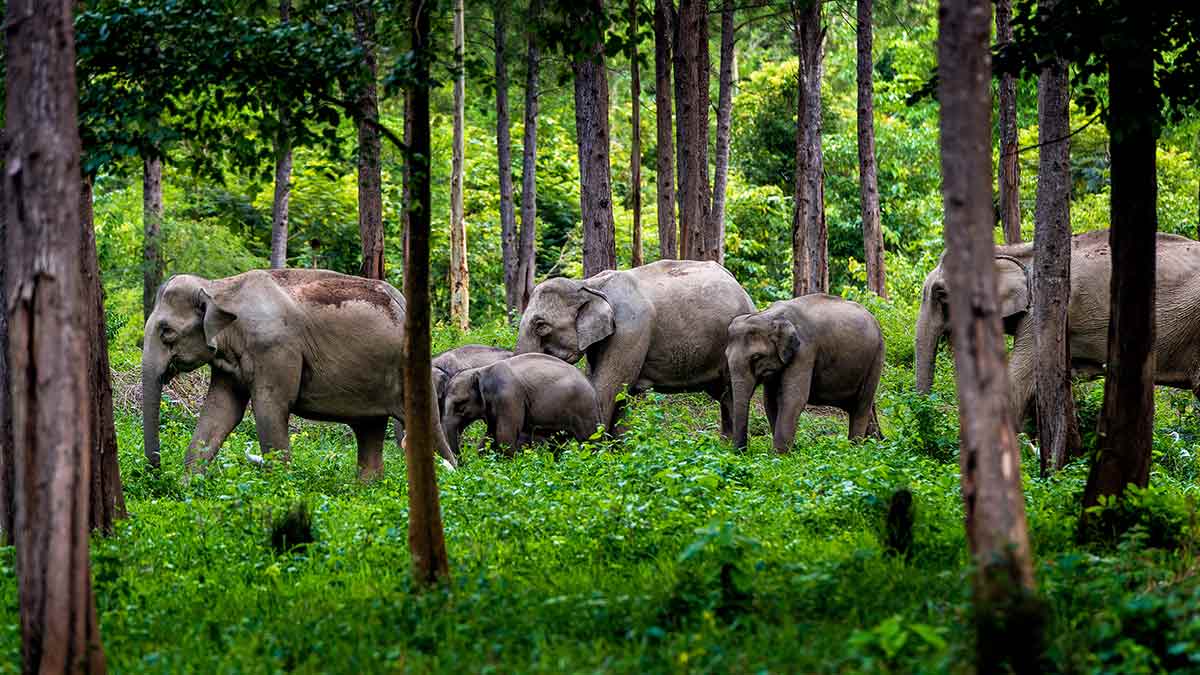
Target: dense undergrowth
664	551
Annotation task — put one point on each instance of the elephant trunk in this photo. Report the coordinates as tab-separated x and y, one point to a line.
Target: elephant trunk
527	340
743	390
447	451
929	334
154	376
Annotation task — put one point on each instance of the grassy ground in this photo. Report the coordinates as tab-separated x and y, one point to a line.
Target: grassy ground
666	551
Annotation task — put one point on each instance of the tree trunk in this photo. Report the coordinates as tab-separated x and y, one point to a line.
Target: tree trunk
460	276
691	74
405	175
283	175
1058	430
591	130
508	217
527	266
635	150
48	343
810	236
868	180
152	217
107	498
1010	169
990	459
665	163
6	437
1126	427
426	540
716	217
370	178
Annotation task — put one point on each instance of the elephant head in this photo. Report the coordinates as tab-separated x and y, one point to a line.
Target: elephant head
181	336
466	401
563	319
933	321
759	347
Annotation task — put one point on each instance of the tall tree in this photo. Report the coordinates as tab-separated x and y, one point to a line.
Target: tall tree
990	459
810	235
868	186
47	350
426	539
527	264
635	150
1010	169
1058	430
152	217
591	130
691	75
460	279
283	174
509	244
6	438
665	163
370	176
726	78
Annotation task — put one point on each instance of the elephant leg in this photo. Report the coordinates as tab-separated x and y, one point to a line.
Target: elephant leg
273	398
370	435
863	422
1022	365
223	408
508	430
771	400
794	388
724	396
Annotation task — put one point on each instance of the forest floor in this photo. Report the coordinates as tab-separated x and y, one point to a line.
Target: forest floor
664	551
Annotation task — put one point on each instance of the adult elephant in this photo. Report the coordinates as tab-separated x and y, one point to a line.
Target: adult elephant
662	325
1177	314
314	343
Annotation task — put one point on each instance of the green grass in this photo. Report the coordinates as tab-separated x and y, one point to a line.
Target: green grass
666	551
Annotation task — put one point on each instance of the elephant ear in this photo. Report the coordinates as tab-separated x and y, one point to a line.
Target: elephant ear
594	322
485	388
216	319
786	340
1012	286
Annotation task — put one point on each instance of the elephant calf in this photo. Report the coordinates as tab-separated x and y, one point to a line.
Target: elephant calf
452	362
525	397
817	349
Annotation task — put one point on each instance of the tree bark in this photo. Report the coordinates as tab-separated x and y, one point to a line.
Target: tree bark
990	459
591	129
691	73
810	236
665	163
460	276
283	175
1058	430
1010	169
868	178
726	78
1126	426
509	244
152	217
107	501
48	348
6	438
370	177
635	150
426	539
527	266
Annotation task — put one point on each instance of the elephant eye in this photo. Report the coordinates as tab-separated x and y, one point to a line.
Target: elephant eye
541	328
168	334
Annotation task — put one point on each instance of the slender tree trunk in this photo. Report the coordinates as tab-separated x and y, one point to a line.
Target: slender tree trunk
810	236
591	129
680	70
635	150
460	276
508	219
527	266
1010	169
405	175
868	180
107	498
283	175
1058	431
48	344
152	217
1126	430
426	539
716	217
665	163
370	177
691	73
6	438
990	459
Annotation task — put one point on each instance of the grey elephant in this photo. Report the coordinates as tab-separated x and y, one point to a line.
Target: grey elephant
1177	321
661	325
318	344
452	362
523	398
816	349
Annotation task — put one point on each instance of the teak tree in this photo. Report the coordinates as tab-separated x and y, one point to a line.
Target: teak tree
370	171
635	149
527	263
692	102
6	437
1010	167
283	174
810	234
665	156
726	78
591	130
152	218
509	243
460	276
867	175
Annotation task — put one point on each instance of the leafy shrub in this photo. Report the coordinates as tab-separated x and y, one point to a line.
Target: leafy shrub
1151	516
926	425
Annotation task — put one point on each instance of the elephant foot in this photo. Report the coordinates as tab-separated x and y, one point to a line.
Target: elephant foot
368	474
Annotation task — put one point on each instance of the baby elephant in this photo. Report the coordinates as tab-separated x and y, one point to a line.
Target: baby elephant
522	398
817	349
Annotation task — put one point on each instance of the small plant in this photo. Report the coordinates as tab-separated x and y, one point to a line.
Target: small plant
292	531
923	424
1148	516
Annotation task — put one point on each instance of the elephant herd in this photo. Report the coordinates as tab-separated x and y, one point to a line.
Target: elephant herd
329	347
